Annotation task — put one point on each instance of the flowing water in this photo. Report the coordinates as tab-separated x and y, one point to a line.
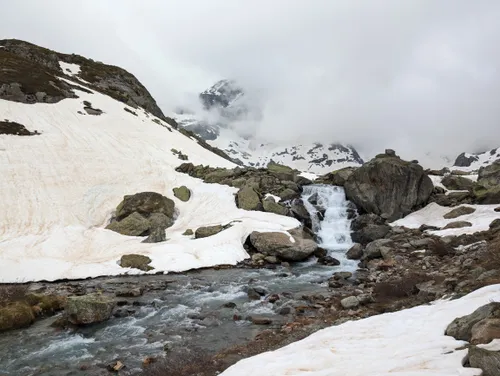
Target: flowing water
187	312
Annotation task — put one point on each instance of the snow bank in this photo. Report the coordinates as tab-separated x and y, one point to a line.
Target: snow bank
405	343
59	190
432	215
69	69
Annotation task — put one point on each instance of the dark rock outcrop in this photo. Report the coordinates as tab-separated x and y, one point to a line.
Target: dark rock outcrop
389	187
16	129
464	160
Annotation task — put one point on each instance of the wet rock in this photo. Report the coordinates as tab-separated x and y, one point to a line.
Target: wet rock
140	262
299	211
252	294
457	212
15	316
461	327
115	366
495	224
229	305
285	311
271	259
260	320
88	309
124	312
182	193
457	224
497	209
486	360
260	291
389	187
342	275
320	252
247	198
329	261
204	232
350	302
129	293
279	244
132	225
273	298
355	252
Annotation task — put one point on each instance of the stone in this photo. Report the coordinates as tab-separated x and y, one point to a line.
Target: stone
272	206
497	209
271	259
329	261
485	331
288	194
188	232
248	199
487	189
389	187
370	233
465	160
279	244
365	299
145	203
355	252
374	249
156	236
364	220
159	221
421	243
299	211
457	183
285	311
204	232
486	360
182	193
253	294
88	309
15	316
136	261
461	327
390	152
350	302
495	224
342	275
273	298
261	320
458	212
457	224
338	177
129	293
229	305
256	257
133	225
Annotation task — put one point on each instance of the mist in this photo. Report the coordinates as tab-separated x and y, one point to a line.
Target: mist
419	76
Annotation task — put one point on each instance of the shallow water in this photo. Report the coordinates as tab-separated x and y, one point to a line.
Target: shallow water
187	314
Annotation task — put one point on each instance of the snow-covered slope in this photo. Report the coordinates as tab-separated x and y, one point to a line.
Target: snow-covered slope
405	343
60	188
472	162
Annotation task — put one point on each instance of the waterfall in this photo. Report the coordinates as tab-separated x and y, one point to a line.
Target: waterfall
327	207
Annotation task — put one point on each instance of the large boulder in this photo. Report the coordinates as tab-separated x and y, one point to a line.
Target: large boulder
283	246
133	225
182	193
88	309
486	360
487	189
145	203
458	212
272	206
248	199
389	186
338	177
368	227
461	327
135	261
457	183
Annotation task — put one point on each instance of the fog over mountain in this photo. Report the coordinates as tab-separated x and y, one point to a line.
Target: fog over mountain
418	75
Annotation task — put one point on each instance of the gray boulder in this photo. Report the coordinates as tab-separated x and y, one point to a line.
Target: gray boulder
88	309
156	236
457	183
279	244
355	252
145	203
272	206
461	327
457	224
487	189
350	302
132	225
457	212
140	262
377	248
389	187
338	177
486	360
248	199
370	233
205	232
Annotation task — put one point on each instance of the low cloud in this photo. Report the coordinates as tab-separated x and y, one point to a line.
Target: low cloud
418	75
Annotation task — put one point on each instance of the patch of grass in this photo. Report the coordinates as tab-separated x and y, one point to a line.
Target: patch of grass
12	293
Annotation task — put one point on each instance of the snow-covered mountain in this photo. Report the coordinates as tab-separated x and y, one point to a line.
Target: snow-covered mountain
227	104
72	147
473	161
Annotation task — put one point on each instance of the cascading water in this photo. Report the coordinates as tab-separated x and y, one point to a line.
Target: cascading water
328	209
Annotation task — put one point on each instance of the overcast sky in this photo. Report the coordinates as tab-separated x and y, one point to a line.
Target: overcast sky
417	75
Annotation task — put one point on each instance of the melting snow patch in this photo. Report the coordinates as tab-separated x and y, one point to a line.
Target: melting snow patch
407	343
69	69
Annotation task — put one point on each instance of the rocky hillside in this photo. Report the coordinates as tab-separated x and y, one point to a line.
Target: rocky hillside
229	104
473	161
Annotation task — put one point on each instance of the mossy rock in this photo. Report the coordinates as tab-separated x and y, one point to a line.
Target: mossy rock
135	261
133	225
204	232
89	309
487	196
288	194
15	316
48	304
145	203
182	193
272	206
188	232
248	199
